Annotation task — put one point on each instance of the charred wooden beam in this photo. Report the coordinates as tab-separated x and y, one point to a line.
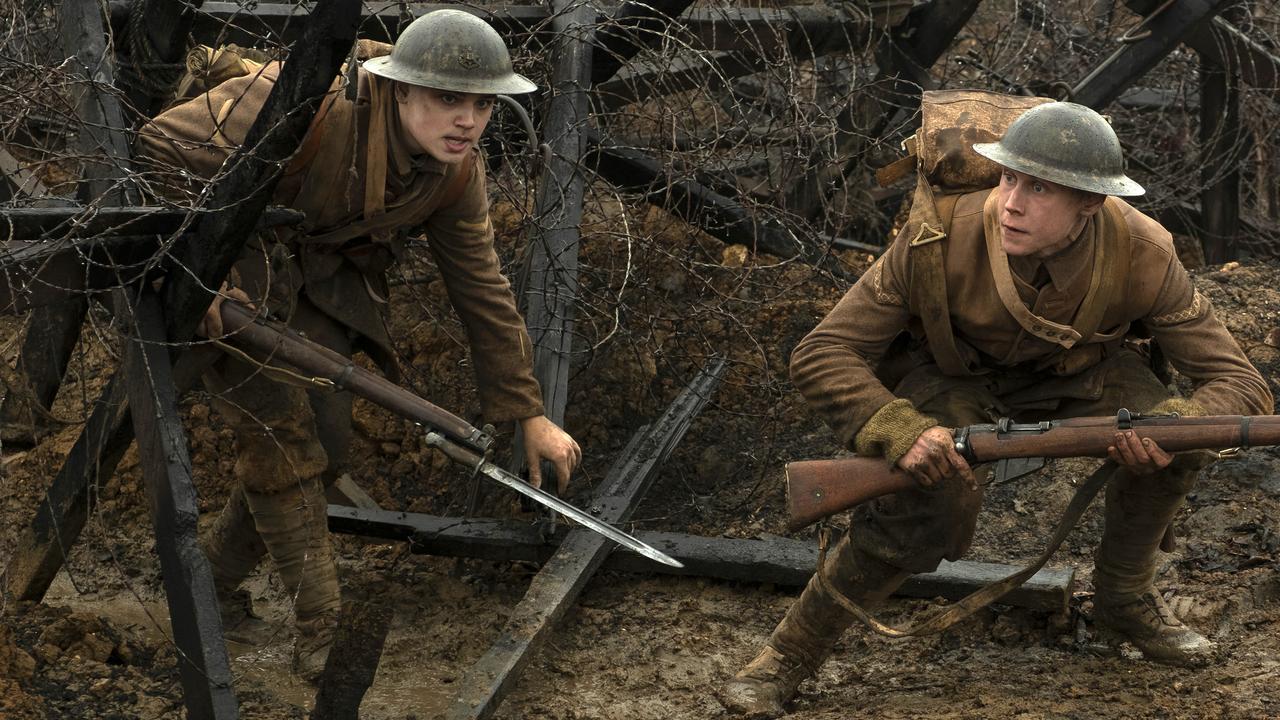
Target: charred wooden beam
718	215
905	58
767	30
37	273
1222	43
41	549
102	142
1161	32
634	27
353	660
777	560
166	467
99	221
562	578
156	52
1220	165
549	278
667	76
18	181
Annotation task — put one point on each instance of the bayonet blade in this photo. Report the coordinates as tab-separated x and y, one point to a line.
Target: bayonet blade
497	474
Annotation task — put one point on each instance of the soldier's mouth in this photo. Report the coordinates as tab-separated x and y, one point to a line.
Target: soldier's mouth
457	144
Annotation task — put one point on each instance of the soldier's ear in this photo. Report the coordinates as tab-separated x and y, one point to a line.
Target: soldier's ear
1090	203
400	90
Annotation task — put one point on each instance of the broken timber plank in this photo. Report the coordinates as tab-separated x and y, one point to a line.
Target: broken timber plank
768	30
905	57
581	552
670	75
549	279
35	273
156	54
1167	29
166	467
776	560
24	183
1224	44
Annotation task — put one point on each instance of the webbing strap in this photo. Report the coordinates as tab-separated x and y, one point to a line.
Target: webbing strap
929	276
944	618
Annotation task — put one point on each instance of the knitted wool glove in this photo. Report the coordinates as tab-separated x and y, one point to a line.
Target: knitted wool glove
892	431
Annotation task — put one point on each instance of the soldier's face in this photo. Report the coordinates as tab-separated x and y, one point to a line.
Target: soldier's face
443	124
1039	218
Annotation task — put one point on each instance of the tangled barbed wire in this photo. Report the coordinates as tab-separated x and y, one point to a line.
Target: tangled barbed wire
777	113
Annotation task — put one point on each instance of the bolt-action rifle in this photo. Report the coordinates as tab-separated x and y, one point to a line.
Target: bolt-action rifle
819	488
448	433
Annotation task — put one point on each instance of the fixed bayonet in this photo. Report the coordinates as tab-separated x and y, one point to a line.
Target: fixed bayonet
482	466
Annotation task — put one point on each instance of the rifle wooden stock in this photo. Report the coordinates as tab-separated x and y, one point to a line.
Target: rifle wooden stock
819	488
282	344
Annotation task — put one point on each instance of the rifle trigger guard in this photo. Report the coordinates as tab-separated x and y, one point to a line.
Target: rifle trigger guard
1124	419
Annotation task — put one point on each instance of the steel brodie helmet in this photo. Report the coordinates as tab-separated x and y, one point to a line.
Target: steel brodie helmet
452	50
1067	144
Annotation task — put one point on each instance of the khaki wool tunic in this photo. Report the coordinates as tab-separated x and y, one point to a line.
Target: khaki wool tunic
834	365
343	277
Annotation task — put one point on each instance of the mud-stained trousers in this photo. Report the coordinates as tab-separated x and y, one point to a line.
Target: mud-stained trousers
290	444
916	529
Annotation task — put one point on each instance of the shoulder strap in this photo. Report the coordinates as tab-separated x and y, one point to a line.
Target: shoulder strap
928	296
1113	275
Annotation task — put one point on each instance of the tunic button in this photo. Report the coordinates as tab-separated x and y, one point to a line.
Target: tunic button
1035	328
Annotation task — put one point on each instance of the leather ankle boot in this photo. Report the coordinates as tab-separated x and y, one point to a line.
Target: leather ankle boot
808	632
1138	509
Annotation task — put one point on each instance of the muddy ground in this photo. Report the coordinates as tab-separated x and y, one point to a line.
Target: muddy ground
644	647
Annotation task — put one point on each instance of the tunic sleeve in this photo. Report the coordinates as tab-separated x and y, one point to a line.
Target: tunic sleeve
461	240
833	366
1200	347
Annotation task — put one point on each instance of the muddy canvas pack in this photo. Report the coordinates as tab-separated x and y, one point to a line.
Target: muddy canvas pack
942	154
308	179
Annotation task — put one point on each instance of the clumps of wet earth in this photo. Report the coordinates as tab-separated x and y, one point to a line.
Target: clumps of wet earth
649	647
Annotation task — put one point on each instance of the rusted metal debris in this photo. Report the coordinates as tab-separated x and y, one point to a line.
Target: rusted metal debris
563	577
775	560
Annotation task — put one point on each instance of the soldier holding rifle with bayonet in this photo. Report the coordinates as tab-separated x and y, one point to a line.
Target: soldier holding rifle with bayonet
1022	301
396	151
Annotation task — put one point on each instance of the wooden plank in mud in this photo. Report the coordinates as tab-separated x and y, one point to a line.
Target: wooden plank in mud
579	554
775	560
166	467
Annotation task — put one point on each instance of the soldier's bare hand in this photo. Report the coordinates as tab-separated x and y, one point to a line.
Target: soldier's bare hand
211	324
1138	455
544	440
933	459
